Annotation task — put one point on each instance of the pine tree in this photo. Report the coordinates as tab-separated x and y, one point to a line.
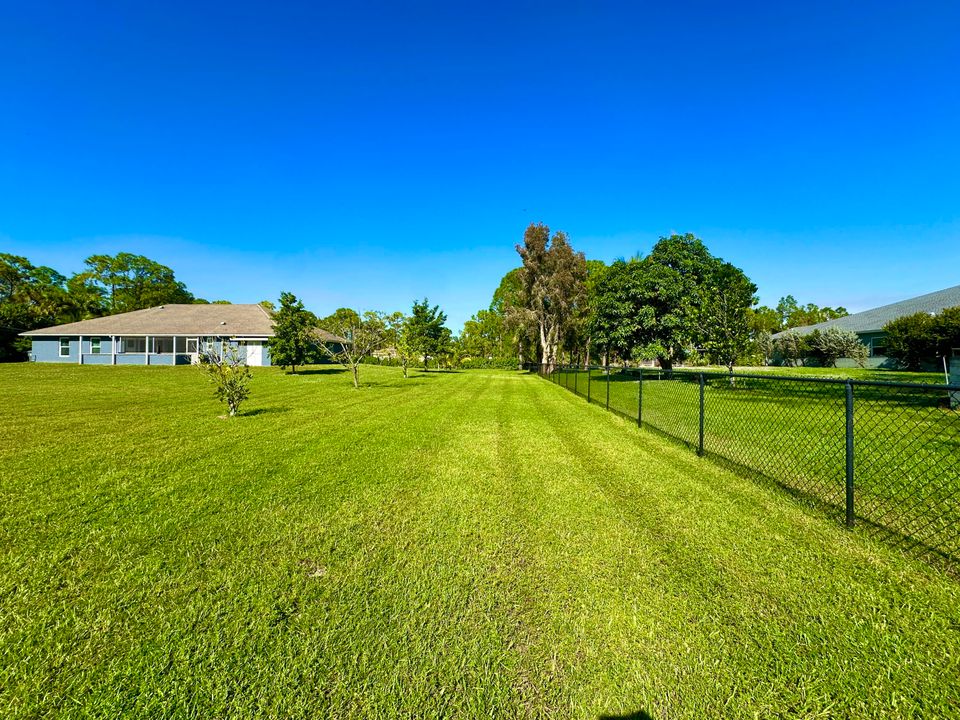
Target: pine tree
291	327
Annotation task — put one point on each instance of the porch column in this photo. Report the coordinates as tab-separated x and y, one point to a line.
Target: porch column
113	349
80	351
174	349
146	349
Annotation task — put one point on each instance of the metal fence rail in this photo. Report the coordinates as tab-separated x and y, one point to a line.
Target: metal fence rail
882	454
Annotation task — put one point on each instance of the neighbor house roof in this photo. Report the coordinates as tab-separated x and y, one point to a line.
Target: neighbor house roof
874	320
328	337
213	319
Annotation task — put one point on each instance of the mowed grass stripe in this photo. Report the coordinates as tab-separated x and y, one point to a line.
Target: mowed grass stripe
478	544
785	598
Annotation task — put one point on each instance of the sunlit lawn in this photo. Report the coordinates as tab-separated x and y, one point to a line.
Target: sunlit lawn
906	442
476	544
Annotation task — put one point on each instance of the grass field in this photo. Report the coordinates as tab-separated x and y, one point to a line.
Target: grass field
872	374
906	441
476	544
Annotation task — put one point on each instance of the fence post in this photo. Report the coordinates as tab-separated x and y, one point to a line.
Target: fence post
849	453
588	383
608	384
700	446
640	400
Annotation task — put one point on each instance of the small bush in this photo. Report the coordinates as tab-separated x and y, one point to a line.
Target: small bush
830	345
790	348
229	375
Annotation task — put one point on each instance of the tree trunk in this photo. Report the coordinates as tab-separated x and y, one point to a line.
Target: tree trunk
665	363
404	364
586	361
355	369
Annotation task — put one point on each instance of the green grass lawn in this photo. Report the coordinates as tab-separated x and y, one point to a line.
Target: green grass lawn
476	544
906	441
871	374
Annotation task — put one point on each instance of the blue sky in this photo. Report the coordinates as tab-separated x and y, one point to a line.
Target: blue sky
366	154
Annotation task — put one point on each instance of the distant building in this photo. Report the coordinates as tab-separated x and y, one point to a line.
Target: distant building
164	335
868	325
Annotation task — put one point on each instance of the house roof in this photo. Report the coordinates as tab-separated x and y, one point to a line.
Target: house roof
874	320
324	336
213	319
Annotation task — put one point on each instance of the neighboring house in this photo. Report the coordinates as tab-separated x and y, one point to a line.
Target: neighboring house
868	325
164	335
334	342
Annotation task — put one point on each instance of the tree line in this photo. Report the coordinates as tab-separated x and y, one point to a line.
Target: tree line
351	338
680	303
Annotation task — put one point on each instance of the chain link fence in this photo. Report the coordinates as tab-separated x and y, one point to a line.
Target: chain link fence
883	455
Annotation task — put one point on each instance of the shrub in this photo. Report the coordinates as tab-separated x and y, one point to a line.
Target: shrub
790	348
488	364
911	339
229	375
946	330
834	343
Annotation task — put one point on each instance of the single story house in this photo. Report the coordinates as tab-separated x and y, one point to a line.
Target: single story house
164	335
868	325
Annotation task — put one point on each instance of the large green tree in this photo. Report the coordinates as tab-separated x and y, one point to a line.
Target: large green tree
483	336
519	324
911	340
946	331
292	328
552	287
127	282
723	317
676	273
579	337
616	312
425	331
30	297
915	339
677	298
792	314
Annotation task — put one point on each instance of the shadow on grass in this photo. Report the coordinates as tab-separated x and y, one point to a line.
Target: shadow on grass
831	509
321	371
638	715
264	411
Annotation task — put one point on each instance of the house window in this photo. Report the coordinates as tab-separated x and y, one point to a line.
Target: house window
94	346
133	345
162	345
192	346
213	346
879	347
180	346
64	347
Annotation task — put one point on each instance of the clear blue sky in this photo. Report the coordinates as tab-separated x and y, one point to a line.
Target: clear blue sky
365	154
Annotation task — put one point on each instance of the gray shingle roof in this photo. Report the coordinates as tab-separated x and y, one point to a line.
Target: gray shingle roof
874	320
328	337
213	319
